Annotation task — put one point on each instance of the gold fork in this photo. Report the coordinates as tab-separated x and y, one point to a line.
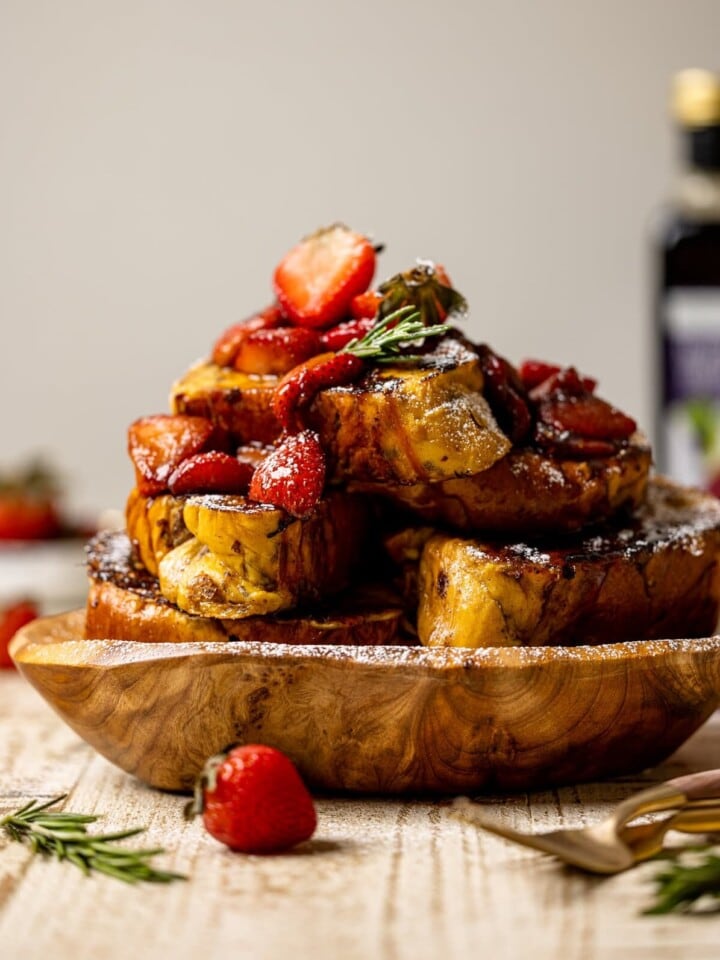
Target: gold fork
611	846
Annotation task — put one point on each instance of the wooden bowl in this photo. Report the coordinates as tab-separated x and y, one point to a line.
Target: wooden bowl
377	719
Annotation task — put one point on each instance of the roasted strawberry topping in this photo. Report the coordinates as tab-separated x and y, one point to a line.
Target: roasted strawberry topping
159	444
365	306
293	476
562	380
211	472
344	333
572	422
227	346
276	351
297	389
319	278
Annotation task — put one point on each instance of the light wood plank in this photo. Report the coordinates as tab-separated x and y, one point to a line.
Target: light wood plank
388	879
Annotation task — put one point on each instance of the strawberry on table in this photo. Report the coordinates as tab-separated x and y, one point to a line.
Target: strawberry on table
253	800
158	444
292	477
317	280
211	472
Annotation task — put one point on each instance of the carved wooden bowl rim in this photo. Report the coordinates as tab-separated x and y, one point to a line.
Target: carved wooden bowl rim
64	633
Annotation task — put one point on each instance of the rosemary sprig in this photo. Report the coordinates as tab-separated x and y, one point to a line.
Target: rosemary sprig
65	836
680	886
384	342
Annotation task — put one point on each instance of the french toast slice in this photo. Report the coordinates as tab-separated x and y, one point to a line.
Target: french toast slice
529	493
246	559
409	424
155	526
657	575
398	423
125	602
239	403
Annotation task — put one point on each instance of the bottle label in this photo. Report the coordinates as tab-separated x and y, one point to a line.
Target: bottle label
690	422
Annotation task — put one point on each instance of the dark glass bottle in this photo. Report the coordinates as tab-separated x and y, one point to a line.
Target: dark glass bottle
687	434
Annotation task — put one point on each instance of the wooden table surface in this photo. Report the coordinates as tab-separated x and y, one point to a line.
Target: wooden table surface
382	878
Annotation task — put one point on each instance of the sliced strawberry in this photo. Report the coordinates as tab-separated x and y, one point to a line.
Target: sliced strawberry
293	476
533	372
297	388
211	472
318	279
159	444
276	351
340	336
543	379
586	416
365	305
11	619
228	344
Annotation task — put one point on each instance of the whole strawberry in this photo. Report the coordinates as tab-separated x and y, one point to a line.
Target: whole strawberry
253	800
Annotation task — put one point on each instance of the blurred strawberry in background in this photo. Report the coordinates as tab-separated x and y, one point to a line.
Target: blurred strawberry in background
41	551
29	504
11	619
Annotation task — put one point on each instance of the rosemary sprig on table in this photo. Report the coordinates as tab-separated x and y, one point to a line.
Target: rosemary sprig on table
383	343
680	886
65	836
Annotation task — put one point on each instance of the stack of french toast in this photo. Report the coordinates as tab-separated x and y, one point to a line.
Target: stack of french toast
348	467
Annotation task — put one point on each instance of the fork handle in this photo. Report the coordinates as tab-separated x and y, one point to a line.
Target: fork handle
698	786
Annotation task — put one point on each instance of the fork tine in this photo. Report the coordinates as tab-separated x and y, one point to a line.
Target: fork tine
572	846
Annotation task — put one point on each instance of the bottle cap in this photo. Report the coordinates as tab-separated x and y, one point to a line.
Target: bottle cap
696	98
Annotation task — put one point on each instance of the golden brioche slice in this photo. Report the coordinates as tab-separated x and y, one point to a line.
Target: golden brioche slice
246	559
407	424
125	602
658	575
155	525
397	424
529	493
240	403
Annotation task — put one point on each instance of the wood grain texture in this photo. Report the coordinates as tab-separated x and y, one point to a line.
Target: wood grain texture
387	879
378	720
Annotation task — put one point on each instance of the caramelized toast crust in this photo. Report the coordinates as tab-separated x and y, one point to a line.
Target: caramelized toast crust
655	576
528	493
125	602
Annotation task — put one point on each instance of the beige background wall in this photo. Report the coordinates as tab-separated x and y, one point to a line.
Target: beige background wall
157	158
